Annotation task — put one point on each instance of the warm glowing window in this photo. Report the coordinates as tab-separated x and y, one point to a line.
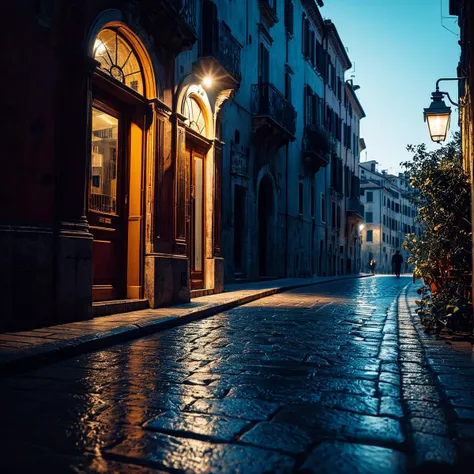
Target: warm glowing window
193	112
117	58
103	182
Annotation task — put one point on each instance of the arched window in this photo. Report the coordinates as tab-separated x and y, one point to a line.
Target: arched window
193	111
117	58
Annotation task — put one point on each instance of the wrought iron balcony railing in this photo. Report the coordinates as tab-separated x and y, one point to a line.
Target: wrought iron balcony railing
354	206
219	43
268	101
187	10
316	147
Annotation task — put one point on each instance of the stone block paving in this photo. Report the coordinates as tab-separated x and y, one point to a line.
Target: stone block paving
28	349
334	378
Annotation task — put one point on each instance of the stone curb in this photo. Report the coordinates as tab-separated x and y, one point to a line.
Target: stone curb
39	356
430	440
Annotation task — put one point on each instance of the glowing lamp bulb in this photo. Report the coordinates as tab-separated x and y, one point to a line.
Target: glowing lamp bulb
207	81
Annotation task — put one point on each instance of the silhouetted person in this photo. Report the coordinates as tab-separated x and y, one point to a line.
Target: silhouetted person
397	261
372	266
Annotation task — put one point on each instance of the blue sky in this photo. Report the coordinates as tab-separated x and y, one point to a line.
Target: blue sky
399	49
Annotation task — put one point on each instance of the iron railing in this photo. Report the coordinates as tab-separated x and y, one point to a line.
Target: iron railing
354	205
316	140
221	44
187	9
269	101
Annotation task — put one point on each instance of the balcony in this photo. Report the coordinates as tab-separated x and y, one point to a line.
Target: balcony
316	148
274	116
268	11
220	54
171	22
355	209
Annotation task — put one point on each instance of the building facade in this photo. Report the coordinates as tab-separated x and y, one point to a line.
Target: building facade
169	145
389	217
464	10
290	192
114	182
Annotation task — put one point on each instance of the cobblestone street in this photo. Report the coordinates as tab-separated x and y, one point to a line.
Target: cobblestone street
327	379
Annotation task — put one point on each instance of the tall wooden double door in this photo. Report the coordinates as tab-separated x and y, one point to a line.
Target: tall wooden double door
196	233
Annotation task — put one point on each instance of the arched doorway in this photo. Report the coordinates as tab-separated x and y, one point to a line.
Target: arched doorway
197	148
265	227
118	125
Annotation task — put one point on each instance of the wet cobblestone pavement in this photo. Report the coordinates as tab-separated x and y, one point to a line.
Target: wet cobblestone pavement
325	379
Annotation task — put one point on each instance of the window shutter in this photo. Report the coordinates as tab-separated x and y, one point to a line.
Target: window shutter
312	48
309	106
315	115
307	38
289	16
288	87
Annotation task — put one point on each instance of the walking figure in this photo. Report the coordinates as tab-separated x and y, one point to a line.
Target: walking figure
372	266
397	261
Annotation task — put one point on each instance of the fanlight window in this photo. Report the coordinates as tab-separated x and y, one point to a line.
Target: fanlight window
117	59
193	111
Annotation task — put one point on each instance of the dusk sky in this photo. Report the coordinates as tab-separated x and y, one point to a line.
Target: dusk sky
398	49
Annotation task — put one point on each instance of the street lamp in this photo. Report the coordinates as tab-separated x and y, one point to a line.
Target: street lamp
438	114
207	81
361	227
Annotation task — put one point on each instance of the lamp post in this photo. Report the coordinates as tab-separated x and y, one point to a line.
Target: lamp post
438	114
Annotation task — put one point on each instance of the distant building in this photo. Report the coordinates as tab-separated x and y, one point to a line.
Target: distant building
389	217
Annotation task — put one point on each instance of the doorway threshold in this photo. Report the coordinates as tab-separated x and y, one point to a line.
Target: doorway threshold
202	292
105	308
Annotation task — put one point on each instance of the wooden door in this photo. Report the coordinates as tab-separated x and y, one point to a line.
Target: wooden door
106	210
196	240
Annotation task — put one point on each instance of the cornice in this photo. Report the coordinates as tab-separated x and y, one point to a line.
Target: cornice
313	12
354	100
338	44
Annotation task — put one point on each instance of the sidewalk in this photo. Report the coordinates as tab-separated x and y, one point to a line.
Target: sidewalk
29	349
438	389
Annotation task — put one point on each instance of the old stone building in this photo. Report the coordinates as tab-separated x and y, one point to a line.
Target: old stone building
389	217
290	162
155	148
464	10
114	171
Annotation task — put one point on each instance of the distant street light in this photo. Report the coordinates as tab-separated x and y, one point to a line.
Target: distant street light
438	114
361	227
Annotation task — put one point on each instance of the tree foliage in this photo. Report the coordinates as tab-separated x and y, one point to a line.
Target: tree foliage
442	254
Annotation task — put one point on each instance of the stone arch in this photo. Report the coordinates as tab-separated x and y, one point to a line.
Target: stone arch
197	92
140	43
